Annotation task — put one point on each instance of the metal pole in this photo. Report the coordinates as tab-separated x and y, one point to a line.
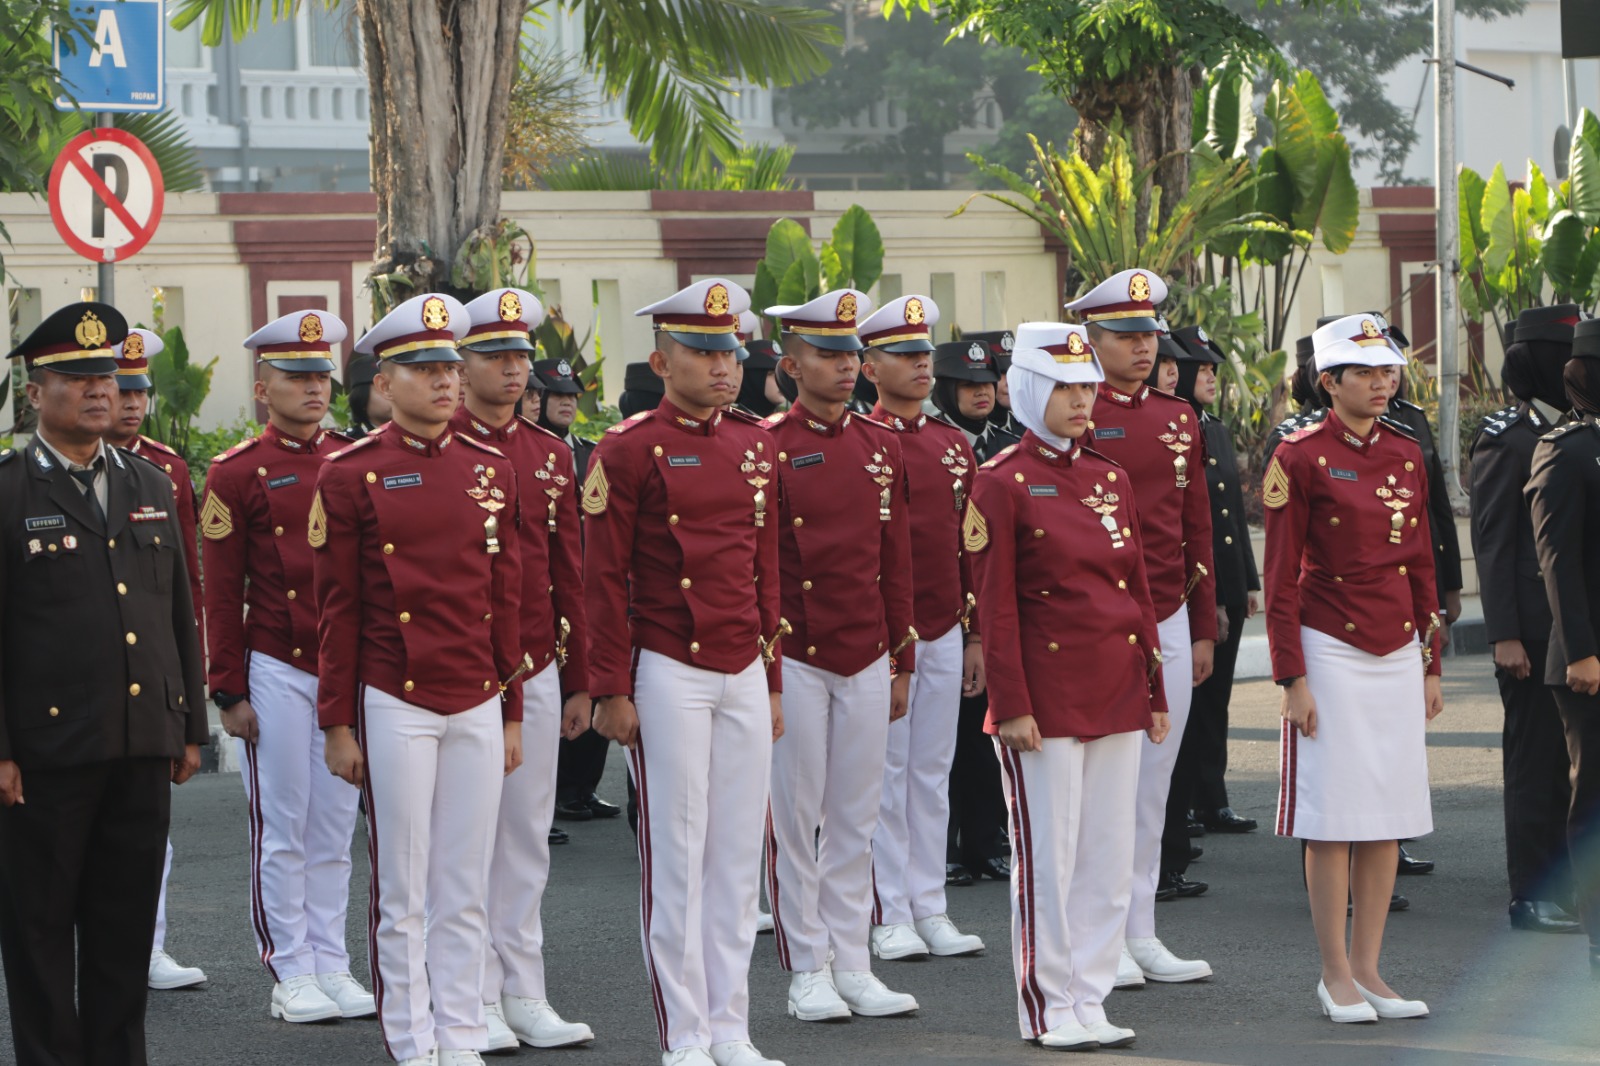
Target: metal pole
1571	93
107	283
1447	226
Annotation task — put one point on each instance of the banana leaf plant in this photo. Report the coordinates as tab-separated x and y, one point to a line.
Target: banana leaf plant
792	273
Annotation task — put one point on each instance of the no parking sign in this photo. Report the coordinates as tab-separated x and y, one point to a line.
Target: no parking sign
106	195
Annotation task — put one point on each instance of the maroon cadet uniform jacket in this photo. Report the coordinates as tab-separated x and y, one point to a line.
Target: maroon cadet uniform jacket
939	466
845	515
410	597
1156	437
682	557
552	550
257	503
1348	548
1069	630
188	514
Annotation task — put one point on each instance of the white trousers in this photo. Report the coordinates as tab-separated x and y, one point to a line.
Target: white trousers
701	769
1155	772
433	794
160	942
908	847
301	821
514	965
1071	812
827	771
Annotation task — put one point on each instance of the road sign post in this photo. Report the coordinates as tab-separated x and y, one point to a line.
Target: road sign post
123	66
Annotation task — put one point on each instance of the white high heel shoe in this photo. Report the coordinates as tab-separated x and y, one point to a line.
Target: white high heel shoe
1356	1012
1393	1008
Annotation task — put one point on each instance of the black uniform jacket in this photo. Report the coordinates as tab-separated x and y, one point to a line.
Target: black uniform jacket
1509	579
1564	496
99	653
1230	533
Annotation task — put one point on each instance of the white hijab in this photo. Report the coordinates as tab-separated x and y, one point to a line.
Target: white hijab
1030	395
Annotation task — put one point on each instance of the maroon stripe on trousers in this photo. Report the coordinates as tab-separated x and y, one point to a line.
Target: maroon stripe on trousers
646	901
1023	873
1288	756
877	904
780	936
258	904
372	860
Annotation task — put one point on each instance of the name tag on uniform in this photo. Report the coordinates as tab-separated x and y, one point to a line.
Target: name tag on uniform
1042	490
800	462
402	481
1109	433
1343	475
49	521
284	481
683	460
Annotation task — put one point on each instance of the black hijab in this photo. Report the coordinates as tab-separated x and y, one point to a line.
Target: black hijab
1582	378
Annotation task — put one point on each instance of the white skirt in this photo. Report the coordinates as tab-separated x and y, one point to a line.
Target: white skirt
1364	776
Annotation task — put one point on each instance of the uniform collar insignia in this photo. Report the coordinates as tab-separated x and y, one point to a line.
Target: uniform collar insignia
42	457
482	429
433	447
1118	396
116	458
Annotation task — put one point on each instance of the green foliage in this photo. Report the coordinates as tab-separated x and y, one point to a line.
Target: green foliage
179	387
1316	156
493	256
557	340
754	167
206	444
791	273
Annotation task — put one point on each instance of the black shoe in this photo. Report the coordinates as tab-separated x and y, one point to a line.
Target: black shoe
1414	867
1181	886
1542	916
993	869
558	835
1226	821
1397	903
1195	851
574	811
600	808
1196	829
1165	890
957	876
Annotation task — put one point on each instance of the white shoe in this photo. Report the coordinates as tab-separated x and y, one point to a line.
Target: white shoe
459	1057
353	1000
812	998
430	1059
899	941
537	1024
1108	1035
1069	1036
1159	964
1393	1008
166	974
300	1000
943	938
1335	1012
501	1038
1128	973
740	1053
867	996
763	922
687	1056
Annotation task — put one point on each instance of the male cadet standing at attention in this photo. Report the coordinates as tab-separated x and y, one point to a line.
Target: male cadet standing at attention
908	848
555	689
418	577
1157	438
102	704
133	394
681	576
847	664
1516	614
261	626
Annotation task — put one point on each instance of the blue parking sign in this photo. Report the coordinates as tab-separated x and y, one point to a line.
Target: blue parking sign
123	65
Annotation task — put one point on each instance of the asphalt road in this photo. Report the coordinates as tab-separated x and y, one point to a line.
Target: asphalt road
1497	996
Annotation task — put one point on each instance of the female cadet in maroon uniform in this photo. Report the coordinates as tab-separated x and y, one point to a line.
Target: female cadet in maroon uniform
1350	590
1073	658
418	575
844	517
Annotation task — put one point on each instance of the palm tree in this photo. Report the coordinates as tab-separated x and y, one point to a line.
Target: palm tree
441	73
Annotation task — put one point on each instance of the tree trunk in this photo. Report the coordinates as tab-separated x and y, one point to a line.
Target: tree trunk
439	74
1157	109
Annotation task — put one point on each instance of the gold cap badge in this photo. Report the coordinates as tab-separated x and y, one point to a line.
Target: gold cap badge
90	332
311	329
510	307
435	315
717	302
916	315
133	347
1139	288
846	311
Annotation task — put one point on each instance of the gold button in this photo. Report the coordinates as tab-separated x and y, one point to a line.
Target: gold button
811	650
1183	418
1402	571
694	646
1227	540
549	590
410	685
133	638
487	685
488	616
371	477
1133	638
1408	627
880	645
672	520
405	616
157	540
1349	627
1413	521
685	583
261	470
54	711
133	689
1111	475
1410	465
1212	461
806	585
783	457
1019	477
1336	577
1054	646
760	447
1038	533
296	653
1121	584
1333	521
1045	593
277	531
388	549
122	590
1322	460
291	594
52	547
799	522
112	543
1126	532
658	449
878	578
489	472
1221	485
1224	512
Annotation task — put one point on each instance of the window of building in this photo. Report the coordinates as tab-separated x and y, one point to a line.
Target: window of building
333	37
184	51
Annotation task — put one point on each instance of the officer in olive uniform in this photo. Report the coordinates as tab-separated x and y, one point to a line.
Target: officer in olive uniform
102	704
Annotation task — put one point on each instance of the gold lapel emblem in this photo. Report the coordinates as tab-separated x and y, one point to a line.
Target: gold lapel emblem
596	489
882	476
974	529
316	524
552	490
1397	498
492	500
1178	442
216	521
1104	504
1275	486
756	474
957	464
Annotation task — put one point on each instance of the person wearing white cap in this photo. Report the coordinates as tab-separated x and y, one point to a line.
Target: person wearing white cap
555	697
1074	677
908	849
261	630
418	583
681	580
1350	590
